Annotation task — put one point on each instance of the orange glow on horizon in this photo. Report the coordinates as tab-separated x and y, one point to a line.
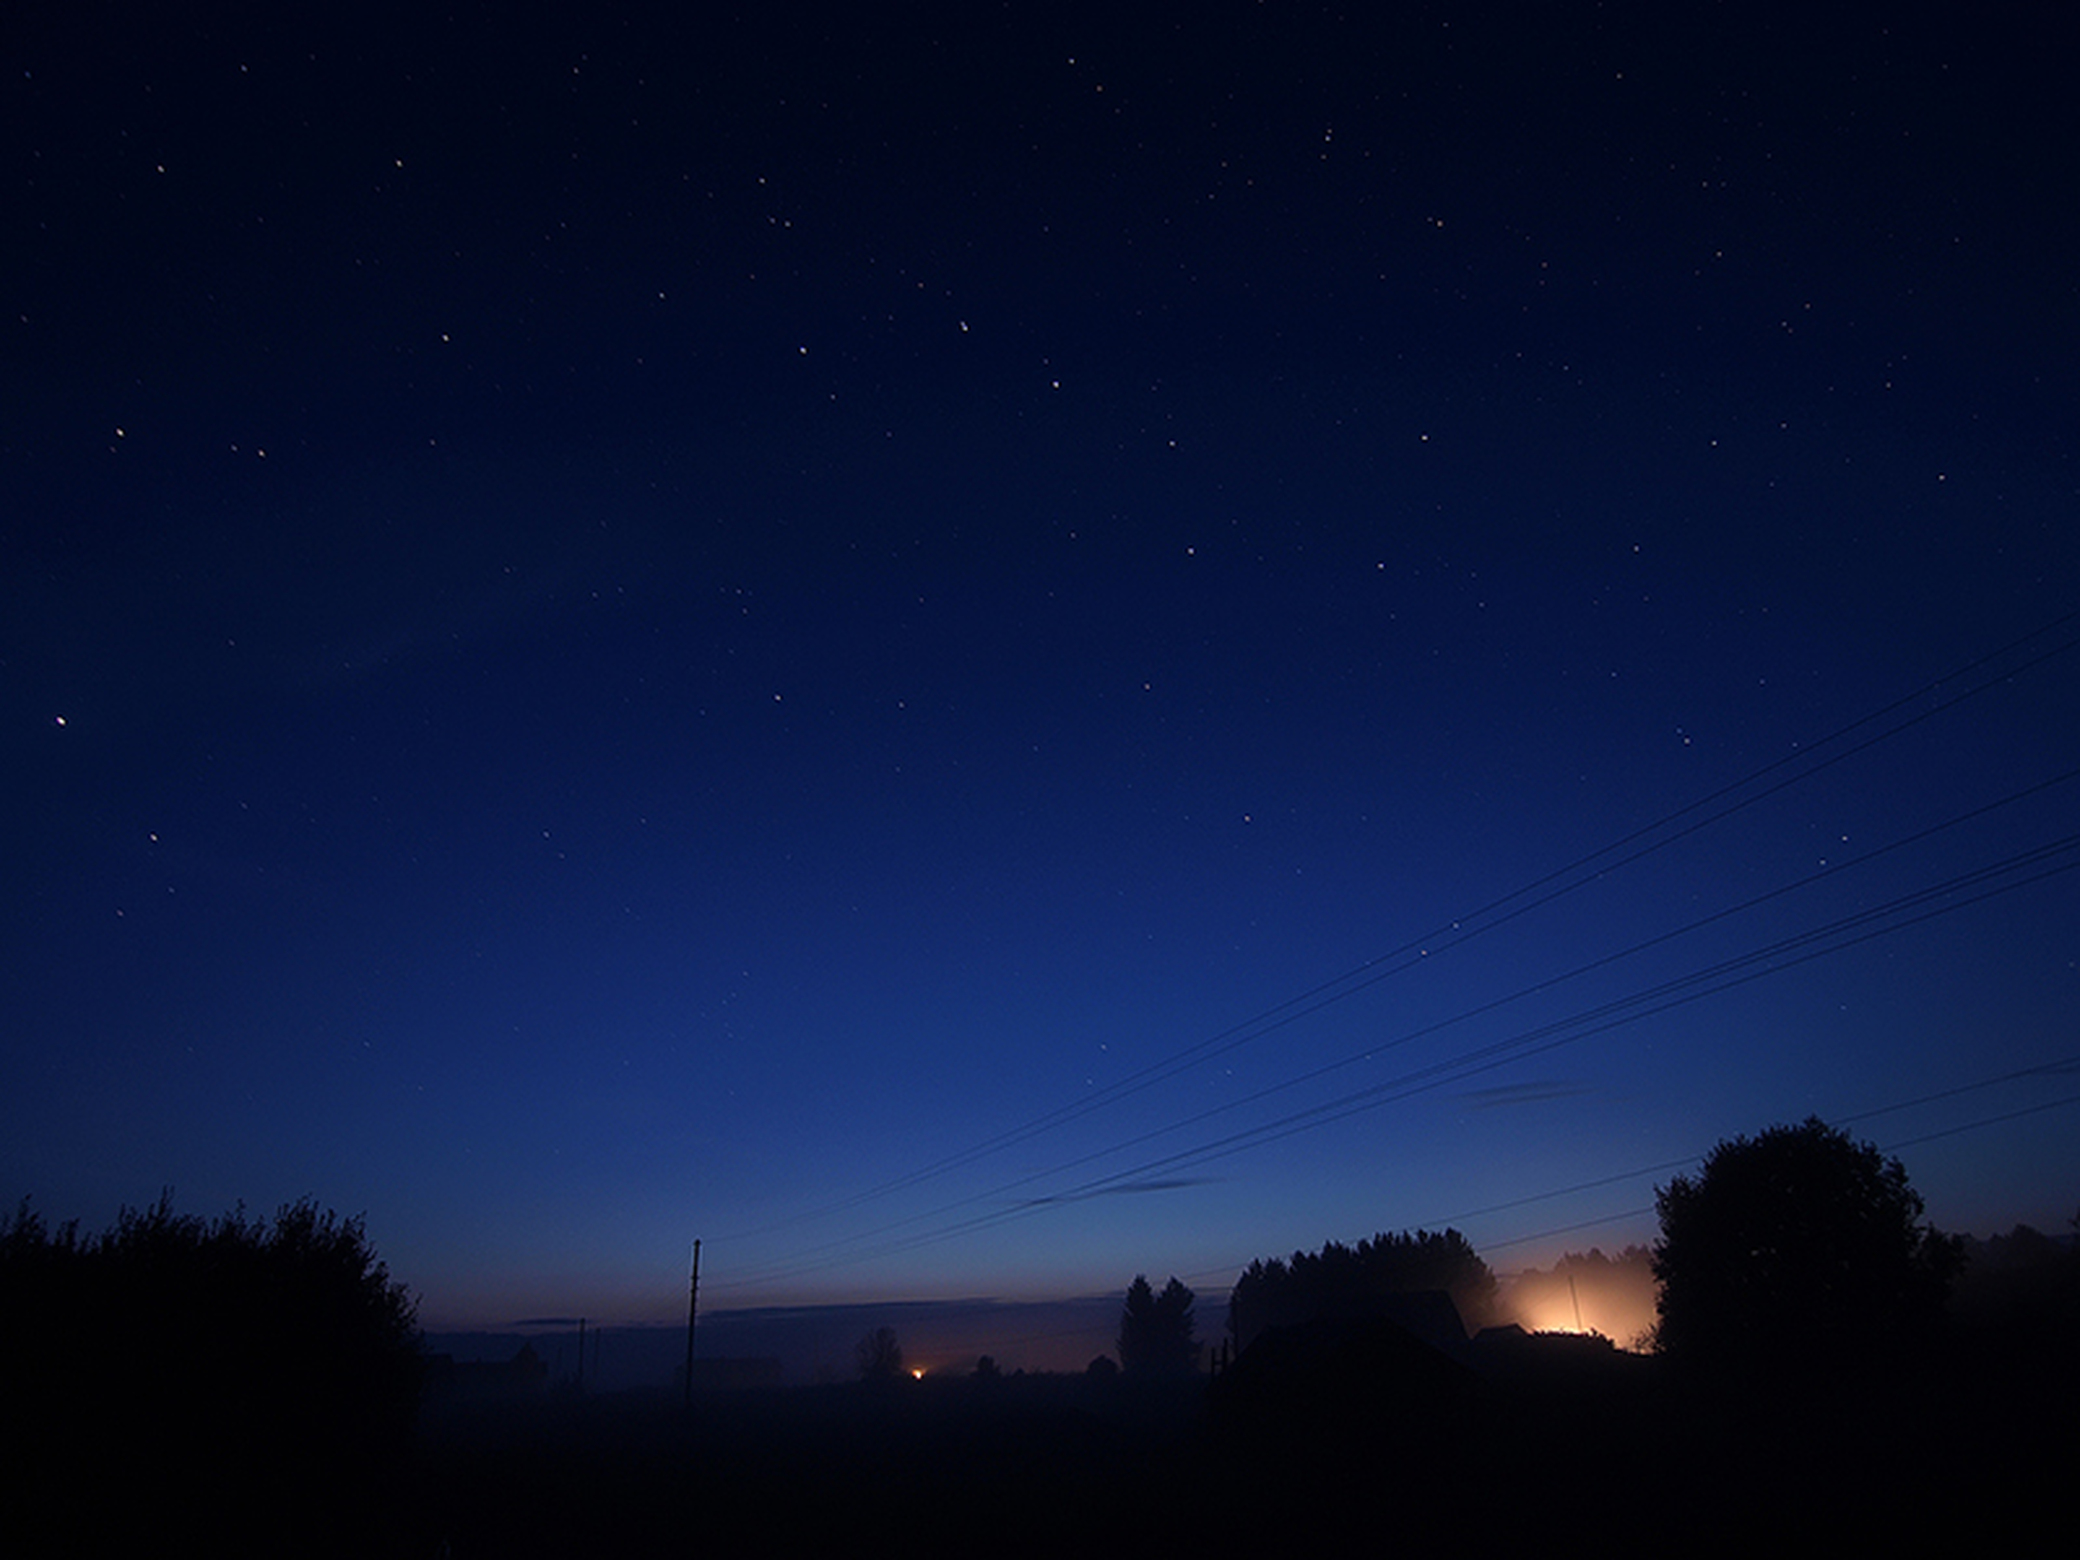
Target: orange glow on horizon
1550	1318
1559	1317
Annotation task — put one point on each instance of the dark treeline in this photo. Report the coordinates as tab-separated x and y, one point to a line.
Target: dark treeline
1345	1281
1823	1362
2023	1285
250	1386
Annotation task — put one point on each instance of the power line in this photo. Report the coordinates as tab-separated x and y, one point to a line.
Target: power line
1773	958
1607	1016
1611	1015
2062	1065
1460	929
1557	980
1604	1016
2058	1066
1885	1148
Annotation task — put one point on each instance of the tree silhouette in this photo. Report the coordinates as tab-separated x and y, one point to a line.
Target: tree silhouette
880	1357
1793	1248
1348	1282
1155	1331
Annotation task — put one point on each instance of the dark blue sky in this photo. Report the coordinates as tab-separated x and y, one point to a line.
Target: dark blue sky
621	628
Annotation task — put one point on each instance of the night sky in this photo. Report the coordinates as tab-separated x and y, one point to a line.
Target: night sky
967	650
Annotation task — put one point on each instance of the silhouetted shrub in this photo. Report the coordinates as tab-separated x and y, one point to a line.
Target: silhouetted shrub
220	1375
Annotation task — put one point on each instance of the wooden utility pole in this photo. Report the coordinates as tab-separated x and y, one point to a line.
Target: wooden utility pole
693	1300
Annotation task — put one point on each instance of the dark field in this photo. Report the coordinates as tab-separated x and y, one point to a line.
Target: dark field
1581	1453
1351	1440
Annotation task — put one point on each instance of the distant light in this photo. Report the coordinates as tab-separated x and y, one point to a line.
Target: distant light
917	1373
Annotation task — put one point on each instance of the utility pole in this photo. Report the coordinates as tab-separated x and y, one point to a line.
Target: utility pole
693	1300
1577	1299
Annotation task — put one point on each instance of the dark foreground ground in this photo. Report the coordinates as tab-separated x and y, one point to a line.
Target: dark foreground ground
1588	1453
1344	1443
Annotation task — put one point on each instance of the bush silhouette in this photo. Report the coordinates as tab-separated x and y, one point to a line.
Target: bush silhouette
1795	1248
219	1374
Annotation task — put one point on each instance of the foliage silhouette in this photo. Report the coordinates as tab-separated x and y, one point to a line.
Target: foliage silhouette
1344	1281
189	1354
1156	1330
879	1356
1796	1248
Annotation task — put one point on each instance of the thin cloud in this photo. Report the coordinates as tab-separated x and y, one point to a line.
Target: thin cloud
1534	1093
1128	1188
